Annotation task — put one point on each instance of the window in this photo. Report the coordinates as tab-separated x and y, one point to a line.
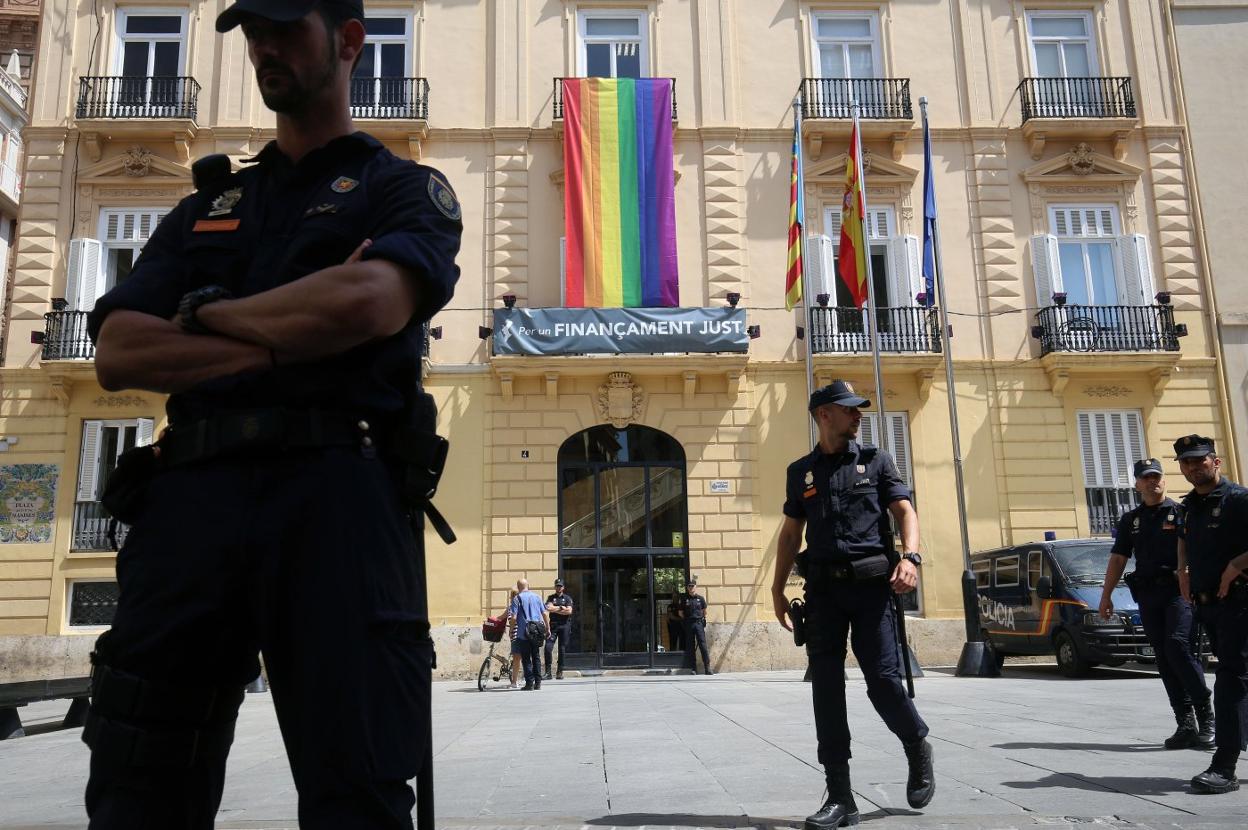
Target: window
1037	567
1086	257
847	45
1061	44
899	435
124	232
92	603
612	44
983	577
1110	442
150	58
1006	569
380	78
103	442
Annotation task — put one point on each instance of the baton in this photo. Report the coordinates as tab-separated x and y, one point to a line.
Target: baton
901	641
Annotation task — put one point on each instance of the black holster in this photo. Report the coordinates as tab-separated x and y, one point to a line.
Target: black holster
418	454
125	491
797	615
1131	581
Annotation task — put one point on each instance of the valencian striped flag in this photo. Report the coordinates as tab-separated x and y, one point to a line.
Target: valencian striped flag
619	203
793	277
851	256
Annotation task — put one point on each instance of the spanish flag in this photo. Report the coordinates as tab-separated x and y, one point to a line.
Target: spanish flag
793	277
851	256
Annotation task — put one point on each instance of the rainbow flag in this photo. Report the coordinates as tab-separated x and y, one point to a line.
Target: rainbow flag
793	276
619	202
851	255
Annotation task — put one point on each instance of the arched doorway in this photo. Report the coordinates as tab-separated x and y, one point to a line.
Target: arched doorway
623	543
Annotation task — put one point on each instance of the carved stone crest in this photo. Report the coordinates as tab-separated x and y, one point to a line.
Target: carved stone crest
1107	390
620	400
1082	159
137	161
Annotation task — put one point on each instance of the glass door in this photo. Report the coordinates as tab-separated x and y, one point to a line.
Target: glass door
624	610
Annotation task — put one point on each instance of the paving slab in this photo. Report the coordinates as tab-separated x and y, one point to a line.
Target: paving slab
1031	749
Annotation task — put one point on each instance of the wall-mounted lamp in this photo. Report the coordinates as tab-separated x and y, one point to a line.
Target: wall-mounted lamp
59	303
822	300
36	338
1059	298
754	332
509	300
484	332
1037	332
1180	330
801	332
734	297
436	332
1163	297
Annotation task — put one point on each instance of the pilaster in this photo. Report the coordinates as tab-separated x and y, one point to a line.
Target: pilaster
724	197
1178	271
508	215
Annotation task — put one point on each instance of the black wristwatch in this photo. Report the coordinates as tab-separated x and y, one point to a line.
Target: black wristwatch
192	301
913	558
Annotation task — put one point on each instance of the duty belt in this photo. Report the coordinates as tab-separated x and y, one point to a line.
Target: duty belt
257	430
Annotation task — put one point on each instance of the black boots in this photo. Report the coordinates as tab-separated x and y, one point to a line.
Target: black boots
1205	737
921	782
1185	735
1214	781
839	810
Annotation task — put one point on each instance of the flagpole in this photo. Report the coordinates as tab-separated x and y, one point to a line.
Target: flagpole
885	438
806	310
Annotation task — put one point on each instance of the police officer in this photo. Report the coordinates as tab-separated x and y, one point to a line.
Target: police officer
840	493
693	616
1150	532
1213	540
559	604
281	307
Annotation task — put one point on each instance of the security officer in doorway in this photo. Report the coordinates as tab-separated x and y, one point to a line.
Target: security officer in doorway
1150	533
693	615
559	604
1213	558
281	308
840	493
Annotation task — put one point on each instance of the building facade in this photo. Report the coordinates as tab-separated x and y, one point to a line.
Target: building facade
1080	312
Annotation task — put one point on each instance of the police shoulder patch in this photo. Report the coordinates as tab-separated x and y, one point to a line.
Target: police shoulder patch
343	184
443	198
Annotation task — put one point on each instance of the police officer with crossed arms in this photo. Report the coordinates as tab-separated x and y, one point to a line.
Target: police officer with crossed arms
1150	533
839	493
1213	556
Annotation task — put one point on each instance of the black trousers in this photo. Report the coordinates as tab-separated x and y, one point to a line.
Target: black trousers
308	559
531	658
559	633
1167	620
1227	625
861	611
675	635
695	635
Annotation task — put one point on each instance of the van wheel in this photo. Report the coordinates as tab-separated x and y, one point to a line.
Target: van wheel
1069	660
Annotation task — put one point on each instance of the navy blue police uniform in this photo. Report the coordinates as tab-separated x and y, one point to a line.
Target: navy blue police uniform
1151	536
1214	530
694	608
842	498
560	627
274	524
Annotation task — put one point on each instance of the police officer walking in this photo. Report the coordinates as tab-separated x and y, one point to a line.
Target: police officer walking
1213	540
693	616
281	307
840	493
1150	533
559	604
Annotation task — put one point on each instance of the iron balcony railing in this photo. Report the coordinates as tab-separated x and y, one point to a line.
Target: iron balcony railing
1106	506
1076	98
877	98
911	329
95	529
65	336
385	98
137	97
1107	328
558	110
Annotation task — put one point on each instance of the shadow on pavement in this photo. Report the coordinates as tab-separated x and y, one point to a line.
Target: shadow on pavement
1086	747
1117	784
687	820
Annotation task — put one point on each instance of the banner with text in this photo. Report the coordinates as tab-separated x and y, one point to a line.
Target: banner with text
554	331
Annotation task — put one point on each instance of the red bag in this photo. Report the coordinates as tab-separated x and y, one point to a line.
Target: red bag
492	629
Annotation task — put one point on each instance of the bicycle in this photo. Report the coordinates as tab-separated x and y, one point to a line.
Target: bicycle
492	631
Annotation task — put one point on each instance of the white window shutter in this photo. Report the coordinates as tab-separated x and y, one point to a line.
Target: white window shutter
914	267
879	224
898	275
146	432
1110	441
84	281
819	268
867	430
563	271
89	460
834	220
900	434
1087	449
1046	268
1137	269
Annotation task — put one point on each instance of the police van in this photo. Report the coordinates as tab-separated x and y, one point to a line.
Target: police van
1042	598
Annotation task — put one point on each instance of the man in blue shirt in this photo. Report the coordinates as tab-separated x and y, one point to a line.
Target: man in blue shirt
532	625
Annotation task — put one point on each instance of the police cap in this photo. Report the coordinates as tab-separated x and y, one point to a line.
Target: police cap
1146	467
693	581
284	11
558	583
838	391
1193	446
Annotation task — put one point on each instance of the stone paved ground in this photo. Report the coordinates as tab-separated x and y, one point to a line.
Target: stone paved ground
737	750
